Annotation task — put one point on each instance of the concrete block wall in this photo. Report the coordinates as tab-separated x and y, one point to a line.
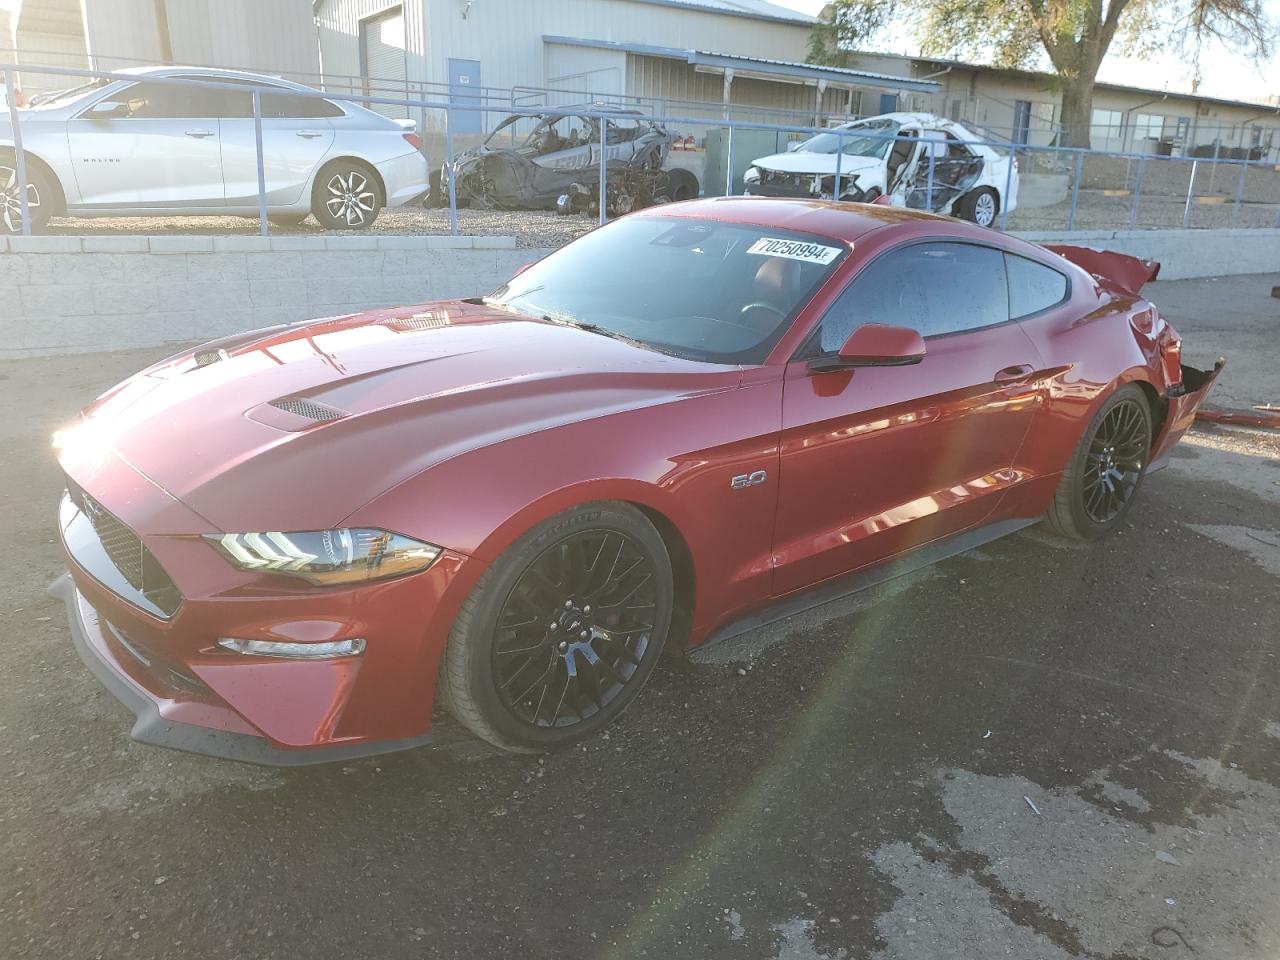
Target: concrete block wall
86	294
1182	254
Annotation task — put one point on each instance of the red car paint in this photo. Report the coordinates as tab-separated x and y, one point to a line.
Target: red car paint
463	426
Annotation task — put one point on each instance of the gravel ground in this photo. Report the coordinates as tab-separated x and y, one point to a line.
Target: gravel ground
536	229
1034	750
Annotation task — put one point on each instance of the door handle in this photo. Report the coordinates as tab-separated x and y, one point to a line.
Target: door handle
308	134
199	134
1015	374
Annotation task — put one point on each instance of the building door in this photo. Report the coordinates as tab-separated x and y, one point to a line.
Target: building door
382	60
1021	120
888	102
464	89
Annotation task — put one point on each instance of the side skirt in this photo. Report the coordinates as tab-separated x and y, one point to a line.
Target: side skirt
907	562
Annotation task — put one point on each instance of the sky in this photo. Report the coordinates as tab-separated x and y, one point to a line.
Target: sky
1223	73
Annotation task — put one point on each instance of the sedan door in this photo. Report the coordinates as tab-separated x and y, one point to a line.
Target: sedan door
296	137
875	460
148	145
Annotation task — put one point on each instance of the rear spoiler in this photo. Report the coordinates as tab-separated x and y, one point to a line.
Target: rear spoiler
406	124
1128	273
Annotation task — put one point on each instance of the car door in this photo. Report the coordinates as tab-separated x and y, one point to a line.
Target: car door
875	460
148	144
297	134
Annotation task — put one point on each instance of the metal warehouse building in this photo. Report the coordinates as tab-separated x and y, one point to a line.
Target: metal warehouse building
277	36
700	57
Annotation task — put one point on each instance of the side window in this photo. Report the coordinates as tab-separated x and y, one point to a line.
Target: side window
1032	286
288	106
933	288
169	101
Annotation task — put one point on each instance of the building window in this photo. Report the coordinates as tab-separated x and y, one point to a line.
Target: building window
1106	125
1147	126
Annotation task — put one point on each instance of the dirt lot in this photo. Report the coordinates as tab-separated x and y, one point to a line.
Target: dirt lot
1034	750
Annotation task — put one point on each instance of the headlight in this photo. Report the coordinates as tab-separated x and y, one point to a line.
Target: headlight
326	557
752	175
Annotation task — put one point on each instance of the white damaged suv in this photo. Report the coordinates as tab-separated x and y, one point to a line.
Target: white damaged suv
137	148
890	155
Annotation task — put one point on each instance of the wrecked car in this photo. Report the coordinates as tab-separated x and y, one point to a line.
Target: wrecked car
556	165
918	160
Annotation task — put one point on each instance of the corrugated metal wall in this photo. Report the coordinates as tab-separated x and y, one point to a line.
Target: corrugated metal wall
338	23
277	36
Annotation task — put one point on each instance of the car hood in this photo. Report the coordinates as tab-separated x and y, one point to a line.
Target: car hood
816	163
296	427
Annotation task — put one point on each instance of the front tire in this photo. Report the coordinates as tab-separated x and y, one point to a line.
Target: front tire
1106	470
39	196
982	206
346	196
562	631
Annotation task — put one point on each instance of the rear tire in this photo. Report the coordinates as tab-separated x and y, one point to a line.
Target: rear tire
981	206
346	196
40	196
681	185
1106	470
563	630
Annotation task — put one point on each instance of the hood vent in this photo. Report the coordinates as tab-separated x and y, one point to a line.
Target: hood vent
205	357
431	320
302	407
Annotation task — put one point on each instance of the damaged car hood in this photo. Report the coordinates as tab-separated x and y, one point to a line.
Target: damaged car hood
817	163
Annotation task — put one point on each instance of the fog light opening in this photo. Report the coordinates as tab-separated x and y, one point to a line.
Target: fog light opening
294	651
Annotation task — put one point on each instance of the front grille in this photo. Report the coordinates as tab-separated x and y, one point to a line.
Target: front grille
302	407
128	553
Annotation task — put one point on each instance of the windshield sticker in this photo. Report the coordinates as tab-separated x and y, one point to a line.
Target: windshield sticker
794	250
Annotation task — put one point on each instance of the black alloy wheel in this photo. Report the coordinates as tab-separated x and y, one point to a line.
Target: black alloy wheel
1104	474
1114	461
575	628
562	630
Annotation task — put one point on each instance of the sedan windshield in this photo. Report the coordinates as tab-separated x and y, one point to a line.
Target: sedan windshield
873	138
699	289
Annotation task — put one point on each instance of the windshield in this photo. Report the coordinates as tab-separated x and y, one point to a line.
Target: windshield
872	138
699	289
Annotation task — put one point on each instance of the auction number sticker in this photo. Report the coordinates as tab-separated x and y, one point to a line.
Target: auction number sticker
794	250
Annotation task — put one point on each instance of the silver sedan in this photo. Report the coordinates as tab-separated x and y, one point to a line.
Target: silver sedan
138	147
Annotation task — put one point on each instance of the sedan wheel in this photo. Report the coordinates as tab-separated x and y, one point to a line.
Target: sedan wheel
1104	475
346	197
561	633
11	200
984	208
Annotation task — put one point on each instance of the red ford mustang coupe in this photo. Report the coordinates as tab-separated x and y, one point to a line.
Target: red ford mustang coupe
285	546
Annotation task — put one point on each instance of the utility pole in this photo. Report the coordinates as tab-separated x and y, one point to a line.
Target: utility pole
162	32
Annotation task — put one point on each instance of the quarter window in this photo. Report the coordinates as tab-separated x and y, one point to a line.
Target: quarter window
284	106
1032	286
932	288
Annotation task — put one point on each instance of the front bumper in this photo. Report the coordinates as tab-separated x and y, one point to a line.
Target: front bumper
189	694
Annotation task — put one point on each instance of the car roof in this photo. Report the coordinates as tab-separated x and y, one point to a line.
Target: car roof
826	218
215	73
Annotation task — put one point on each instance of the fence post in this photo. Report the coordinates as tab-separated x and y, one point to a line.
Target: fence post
20	156
261	161
1008	185
835	187
728	164
1235	207
1191	183
928	190
1075	191
453	173
604	162
1137	192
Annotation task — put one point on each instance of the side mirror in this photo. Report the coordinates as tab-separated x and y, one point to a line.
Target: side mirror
794	145
874	345
107	110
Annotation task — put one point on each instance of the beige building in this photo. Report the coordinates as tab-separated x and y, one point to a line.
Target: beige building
702	58
276	36
1026	106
